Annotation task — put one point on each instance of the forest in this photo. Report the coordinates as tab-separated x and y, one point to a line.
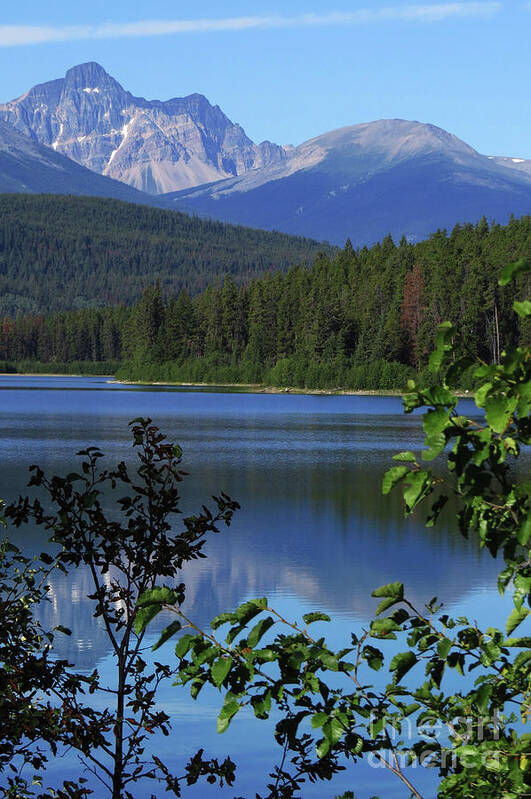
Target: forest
59	253
356	319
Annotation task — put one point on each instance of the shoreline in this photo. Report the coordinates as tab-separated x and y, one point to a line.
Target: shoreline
243	388
260	388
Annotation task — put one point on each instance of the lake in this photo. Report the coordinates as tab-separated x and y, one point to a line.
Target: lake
314	531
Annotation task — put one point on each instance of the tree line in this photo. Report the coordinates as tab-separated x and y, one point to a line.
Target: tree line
358	319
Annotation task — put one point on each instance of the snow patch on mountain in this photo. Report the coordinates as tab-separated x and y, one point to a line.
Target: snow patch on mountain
123	133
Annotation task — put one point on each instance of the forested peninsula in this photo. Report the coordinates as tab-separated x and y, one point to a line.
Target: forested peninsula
359	319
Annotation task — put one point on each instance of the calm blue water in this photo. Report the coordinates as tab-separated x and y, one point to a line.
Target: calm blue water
314	531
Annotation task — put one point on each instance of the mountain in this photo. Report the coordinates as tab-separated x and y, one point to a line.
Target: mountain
360	182
29	167
364	181
155	146
59	253
519	164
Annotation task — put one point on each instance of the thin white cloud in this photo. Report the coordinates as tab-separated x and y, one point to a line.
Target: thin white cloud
16	35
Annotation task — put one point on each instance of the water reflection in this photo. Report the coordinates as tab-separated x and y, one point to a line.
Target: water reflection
306	470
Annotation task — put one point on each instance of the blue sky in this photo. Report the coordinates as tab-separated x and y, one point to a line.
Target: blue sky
288	71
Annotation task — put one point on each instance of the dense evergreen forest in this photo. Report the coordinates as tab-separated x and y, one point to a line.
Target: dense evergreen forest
61	253
358	319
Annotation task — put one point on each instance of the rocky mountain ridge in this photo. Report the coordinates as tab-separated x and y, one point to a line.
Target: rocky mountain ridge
364	181
155	146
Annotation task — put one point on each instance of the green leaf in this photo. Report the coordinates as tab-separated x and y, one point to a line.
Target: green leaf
498	410
333	729
309	618
318	719
470	754
227	712
481	394
144	615
262	705
524	404
443	647
167	633
434	422
435	510
258	631
183	645
524	531
157	596
416	489
436	444
407	456
394	590
322	748
412	401
376	726
511	270
521	643
373	657
401	664
329	661
439	395
249	610
482	696
444	334
384	628
516	617
522	587
385	604
222	618
392	477
265	655
494	764
205	654
219	670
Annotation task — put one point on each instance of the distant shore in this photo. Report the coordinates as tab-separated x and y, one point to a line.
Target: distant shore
244	388
247	388
260	388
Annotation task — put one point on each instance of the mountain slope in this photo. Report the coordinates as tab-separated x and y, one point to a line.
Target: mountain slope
519	164
152	145
29	167
364	181
59	253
